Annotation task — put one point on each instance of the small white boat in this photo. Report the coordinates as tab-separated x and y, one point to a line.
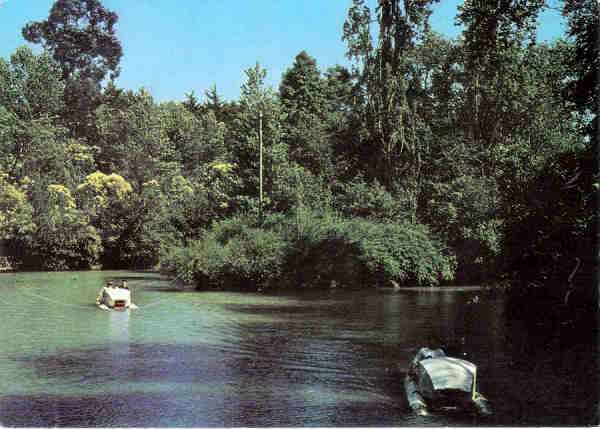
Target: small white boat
436	381
115	298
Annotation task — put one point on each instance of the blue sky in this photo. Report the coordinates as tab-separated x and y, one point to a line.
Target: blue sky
173	47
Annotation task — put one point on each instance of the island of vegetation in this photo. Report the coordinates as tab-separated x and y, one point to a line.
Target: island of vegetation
428	161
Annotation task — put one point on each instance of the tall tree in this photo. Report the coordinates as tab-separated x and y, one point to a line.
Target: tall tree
32	141
30	100
583	20
302	95
342	123
215	103
494	38
394	128
80	36
198	139
301	88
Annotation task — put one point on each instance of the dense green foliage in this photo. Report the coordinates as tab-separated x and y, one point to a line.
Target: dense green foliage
311	250
429	161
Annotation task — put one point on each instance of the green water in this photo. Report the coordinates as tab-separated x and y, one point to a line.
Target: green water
184	358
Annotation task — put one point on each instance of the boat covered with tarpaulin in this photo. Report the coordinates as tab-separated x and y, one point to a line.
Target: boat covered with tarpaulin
437	381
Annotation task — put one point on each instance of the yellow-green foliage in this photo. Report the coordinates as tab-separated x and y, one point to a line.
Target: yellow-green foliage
61	237
61	197
223	167
99	190
221	180
15	210
80	155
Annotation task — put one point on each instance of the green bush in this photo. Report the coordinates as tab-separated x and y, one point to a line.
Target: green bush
231	255
310	250
358	252
200	263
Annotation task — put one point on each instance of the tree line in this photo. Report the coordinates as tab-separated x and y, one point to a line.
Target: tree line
426	161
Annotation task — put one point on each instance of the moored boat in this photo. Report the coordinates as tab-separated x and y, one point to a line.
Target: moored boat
435	381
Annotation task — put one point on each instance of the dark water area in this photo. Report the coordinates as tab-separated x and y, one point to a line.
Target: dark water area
215	359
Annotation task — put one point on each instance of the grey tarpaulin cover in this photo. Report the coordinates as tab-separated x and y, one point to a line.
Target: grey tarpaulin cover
438	374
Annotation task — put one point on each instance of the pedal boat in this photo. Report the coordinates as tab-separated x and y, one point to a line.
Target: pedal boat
116	298
436	382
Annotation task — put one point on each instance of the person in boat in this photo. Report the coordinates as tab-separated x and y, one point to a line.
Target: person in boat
99	299
124	284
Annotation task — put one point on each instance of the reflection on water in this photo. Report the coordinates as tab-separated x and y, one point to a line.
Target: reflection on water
229	359
118	326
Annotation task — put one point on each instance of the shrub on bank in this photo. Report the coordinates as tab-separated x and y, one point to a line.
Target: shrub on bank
312	250
233	254
358	252
405	253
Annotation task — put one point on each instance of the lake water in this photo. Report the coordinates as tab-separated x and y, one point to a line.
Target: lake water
198	359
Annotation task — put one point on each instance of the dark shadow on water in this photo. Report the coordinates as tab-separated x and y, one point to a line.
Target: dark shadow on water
130	363
283	310
142	410
260	393
115	410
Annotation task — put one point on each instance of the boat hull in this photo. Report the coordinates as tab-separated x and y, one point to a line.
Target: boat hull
415	400
420	406
107	308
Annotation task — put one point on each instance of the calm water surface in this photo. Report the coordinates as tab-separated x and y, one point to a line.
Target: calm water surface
332	358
